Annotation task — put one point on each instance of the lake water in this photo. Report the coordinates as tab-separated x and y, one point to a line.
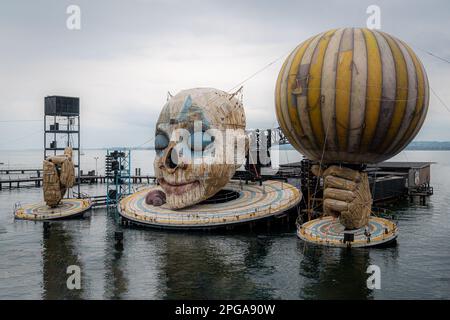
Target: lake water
169	265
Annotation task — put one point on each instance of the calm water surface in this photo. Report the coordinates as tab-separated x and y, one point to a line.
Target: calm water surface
171	265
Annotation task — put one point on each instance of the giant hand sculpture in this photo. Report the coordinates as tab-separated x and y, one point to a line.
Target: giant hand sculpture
346	195
59	175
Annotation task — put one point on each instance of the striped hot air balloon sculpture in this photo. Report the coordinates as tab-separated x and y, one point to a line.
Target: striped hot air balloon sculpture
351	95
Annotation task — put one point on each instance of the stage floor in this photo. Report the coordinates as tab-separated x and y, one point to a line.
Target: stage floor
68	208
329	232
254	202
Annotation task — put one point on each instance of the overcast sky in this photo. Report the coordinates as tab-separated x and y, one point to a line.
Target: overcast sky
128	54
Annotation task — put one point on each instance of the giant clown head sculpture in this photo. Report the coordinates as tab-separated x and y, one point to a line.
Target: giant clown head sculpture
200	142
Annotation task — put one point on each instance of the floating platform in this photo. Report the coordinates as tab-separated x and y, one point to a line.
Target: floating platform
329	232
68	208
252	202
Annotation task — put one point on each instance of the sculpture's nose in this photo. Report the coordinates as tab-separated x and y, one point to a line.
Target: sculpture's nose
171	160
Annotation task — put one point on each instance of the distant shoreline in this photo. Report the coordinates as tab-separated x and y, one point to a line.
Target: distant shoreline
429	145
426	149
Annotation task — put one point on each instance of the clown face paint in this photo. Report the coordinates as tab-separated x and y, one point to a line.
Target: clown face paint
198	142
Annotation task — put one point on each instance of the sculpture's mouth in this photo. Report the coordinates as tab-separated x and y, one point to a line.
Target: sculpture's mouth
179	187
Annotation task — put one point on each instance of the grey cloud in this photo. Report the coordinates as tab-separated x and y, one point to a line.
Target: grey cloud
128	54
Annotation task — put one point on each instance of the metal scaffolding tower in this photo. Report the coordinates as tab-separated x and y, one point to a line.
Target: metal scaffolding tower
118	174
62	129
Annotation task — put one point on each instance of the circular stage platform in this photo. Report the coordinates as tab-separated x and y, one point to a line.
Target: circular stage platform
68	208
254	202
329	232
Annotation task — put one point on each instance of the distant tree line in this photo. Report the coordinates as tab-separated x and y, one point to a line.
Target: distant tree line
429	145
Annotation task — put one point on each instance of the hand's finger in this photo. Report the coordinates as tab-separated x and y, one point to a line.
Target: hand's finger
335	205
339	194
329	212
344	173
339	183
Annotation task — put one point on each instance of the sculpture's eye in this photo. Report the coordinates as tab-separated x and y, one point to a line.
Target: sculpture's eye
200	140
161	142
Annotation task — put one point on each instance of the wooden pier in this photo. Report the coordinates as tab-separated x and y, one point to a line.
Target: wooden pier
20	171
27	182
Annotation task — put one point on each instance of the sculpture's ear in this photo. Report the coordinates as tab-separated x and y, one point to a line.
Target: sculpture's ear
169	96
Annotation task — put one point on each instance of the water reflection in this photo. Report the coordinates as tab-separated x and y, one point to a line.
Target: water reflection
116	282
211	267
185	265
59	252
334	273
157	265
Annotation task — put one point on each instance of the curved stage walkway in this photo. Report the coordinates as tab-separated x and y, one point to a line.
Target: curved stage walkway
254	202
329	232
68	208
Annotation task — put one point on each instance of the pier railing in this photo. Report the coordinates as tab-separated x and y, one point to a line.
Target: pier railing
27	182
